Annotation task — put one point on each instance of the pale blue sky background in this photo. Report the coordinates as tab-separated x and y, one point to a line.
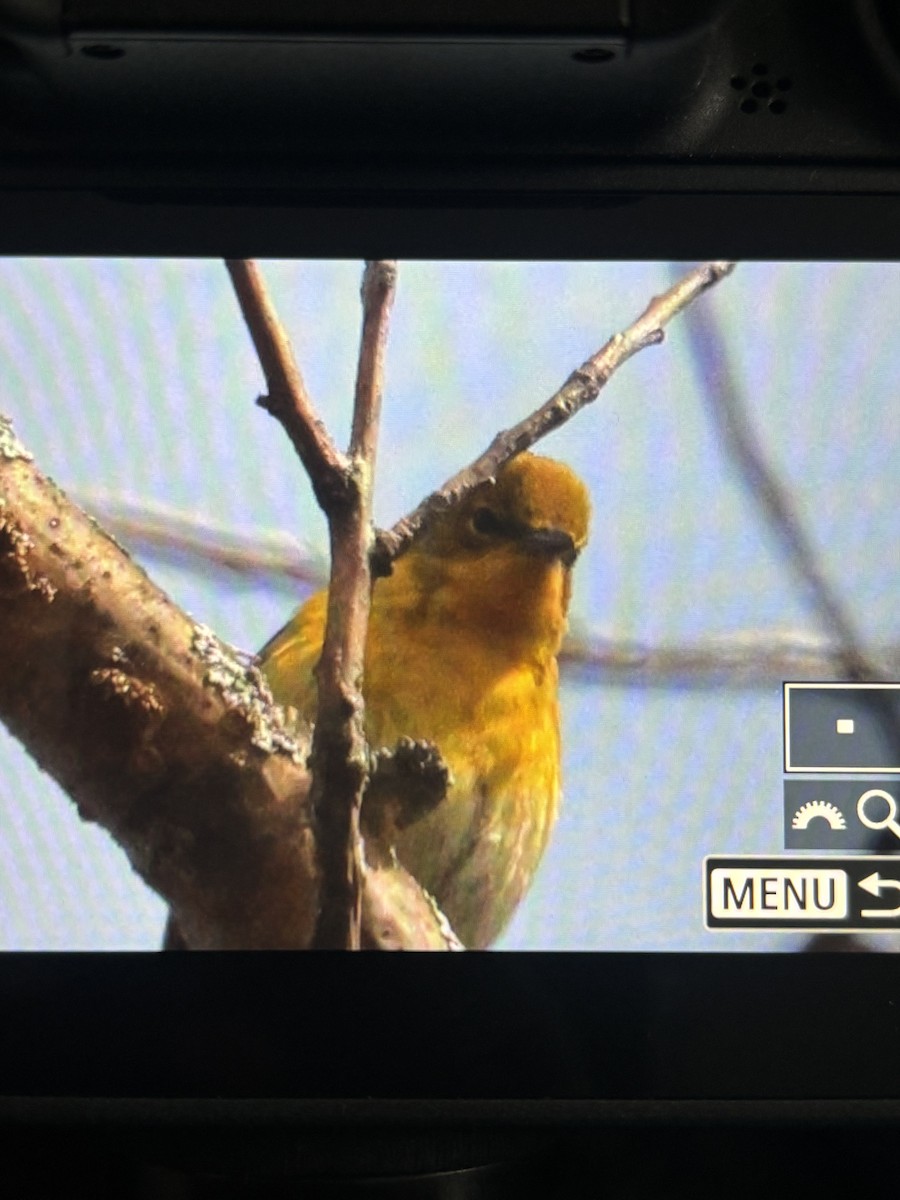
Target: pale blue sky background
138	377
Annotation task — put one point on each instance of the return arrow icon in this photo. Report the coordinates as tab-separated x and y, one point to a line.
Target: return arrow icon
874	885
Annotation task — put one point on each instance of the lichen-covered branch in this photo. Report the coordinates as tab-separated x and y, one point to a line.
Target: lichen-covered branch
163	736
151	725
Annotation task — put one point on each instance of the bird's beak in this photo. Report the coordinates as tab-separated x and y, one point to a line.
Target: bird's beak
551	543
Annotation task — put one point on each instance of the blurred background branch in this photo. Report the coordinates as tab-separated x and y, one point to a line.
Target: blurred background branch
744	658
729	412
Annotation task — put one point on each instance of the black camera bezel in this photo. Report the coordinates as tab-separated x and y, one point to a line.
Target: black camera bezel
540	1028
625	211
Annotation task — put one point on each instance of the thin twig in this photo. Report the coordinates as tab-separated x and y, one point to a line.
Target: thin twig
581	388
288	400
343	488
377	294
340	755
729	412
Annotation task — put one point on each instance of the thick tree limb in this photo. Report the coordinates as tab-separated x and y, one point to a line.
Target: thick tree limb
151	726
162	736
581	388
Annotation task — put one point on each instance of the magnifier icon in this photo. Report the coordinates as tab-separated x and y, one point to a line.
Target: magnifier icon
889	821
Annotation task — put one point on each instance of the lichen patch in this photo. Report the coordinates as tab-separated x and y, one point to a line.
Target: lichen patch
245	691
16	574
10	446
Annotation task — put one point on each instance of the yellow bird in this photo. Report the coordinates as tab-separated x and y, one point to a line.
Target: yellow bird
462	645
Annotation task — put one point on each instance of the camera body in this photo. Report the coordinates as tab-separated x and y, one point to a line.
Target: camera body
689	129
136	110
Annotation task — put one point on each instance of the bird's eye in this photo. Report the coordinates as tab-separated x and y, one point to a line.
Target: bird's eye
485	520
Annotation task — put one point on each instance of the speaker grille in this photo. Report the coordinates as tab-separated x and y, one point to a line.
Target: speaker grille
761	90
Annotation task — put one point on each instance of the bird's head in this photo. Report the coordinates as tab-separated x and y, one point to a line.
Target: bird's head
504	555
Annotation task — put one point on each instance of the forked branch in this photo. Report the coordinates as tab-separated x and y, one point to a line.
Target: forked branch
343	487
340	754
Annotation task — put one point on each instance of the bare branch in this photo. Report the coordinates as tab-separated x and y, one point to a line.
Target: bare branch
340	754
288	400
343	487
581	388
377	295
729	413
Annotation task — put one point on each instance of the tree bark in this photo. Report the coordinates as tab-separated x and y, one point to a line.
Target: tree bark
162	735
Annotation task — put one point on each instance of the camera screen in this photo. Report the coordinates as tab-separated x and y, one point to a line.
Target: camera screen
727	770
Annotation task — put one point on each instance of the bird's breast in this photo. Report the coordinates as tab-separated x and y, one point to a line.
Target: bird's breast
496	724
